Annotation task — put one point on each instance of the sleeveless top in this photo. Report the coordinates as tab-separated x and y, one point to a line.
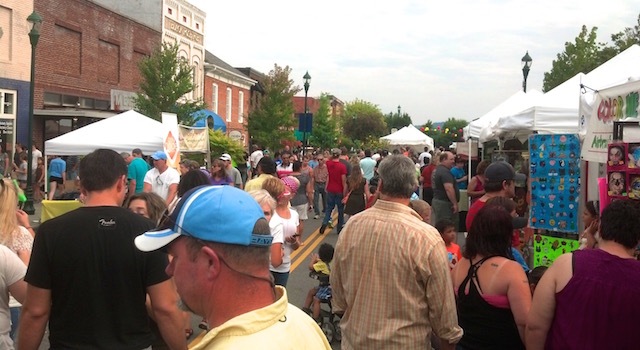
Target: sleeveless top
598	308
479	187
485	326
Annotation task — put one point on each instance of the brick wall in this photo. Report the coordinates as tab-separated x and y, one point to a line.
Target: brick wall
234	124
86	50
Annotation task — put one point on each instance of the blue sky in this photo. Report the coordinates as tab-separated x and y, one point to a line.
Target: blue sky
436	59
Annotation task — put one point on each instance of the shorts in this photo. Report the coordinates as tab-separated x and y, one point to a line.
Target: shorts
302	210
324	293
56	179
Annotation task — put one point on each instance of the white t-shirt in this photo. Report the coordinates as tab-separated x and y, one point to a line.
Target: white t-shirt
421	157
160	182
12	269
255	158
281	229
35	154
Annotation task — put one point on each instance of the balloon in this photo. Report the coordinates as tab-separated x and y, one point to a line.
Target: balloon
459	130
438	128
426	129
422	128
455	135
446	130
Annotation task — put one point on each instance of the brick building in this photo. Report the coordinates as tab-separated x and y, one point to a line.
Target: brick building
15	74
86	64
227	92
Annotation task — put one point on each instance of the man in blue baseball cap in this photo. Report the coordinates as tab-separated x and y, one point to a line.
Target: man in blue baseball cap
220	243
162	179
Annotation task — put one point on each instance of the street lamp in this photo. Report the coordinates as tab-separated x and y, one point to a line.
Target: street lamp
526	64
398	111
34	35
306	78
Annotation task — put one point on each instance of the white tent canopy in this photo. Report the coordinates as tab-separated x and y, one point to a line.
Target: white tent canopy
514	103
121	133
409	136
557	111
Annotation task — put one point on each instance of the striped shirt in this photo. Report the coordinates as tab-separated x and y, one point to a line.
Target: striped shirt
390	277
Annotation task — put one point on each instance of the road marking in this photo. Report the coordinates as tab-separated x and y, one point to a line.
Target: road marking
300	255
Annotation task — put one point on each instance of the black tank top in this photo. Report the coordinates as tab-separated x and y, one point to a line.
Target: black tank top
485	326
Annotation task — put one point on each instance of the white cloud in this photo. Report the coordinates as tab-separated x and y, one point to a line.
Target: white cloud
435	59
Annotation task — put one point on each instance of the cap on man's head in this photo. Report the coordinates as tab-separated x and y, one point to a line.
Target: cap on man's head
136	151
159	155
203	213
225	156
336	152
502	171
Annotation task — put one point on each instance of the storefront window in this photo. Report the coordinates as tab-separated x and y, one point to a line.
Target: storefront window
8	100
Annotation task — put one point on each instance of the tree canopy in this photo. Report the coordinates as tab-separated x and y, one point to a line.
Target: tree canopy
443	136
325	132
166	80
586	54
361	119
395	120
271	120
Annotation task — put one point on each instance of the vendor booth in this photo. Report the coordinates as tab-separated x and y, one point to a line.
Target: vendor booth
121	133
410	136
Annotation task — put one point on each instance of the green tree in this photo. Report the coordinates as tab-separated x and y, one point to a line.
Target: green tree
629	36
394	120
272	121
325	132
582	56
166	79
447	134
361	119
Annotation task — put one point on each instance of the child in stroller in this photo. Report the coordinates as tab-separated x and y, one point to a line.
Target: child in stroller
320	270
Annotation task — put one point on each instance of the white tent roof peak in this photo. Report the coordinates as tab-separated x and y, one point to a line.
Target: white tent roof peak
409	136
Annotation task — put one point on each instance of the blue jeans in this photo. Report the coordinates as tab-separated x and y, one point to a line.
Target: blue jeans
319	191
280	278
15	319
334	199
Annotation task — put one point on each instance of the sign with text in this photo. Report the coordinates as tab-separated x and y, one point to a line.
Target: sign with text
122	100
615	104
183	31
193	139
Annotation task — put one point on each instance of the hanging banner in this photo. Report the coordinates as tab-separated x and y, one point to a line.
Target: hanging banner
618	103
193	139
555	182
171	139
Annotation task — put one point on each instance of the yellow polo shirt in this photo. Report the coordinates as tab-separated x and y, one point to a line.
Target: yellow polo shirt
279	326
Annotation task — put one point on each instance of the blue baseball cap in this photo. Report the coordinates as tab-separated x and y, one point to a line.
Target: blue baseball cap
222	214
159	155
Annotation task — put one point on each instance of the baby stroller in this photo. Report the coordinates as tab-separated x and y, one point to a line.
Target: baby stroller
330	322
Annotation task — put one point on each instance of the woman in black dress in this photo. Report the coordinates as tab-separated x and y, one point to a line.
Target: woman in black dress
358	191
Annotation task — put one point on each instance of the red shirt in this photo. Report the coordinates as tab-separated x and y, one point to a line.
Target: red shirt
335	170
473	210
426	175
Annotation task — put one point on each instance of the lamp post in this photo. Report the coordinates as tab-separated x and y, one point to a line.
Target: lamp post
306	78
398	111
526	64
34	35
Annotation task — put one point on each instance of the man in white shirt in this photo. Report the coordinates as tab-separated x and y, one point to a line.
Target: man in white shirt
255	158
424	155
35	154
367	164
162	179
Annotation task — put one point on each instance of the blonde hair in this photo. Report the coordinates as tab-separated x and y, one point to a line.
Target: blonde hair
274	186
8	206
263	197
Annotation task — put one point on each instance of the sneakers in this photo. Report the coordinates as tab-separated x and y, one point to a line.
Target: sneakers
322	228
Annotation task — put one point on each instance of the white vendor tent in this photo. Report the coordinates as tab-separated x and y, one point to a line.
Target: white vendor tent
409	136
514	103
121	133
555	112
558	110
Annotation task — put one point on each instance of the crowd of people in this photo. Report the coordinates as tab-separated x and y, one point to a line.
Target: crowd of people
153	244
